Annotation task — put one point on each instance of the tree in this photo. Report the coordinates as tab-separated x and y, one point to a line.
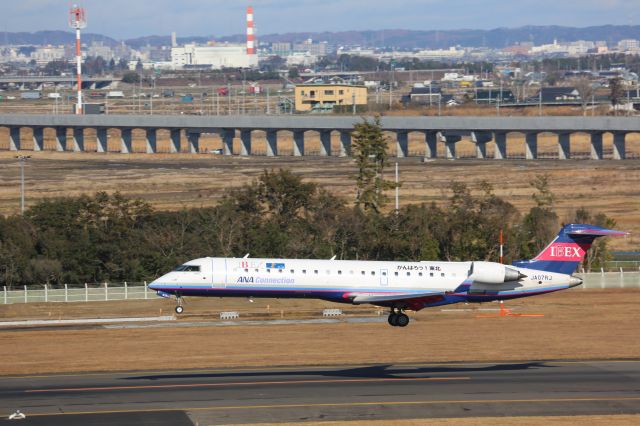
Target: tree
131	77
585	89
293	73
598	255
57	67
540	224
370	154
273	63
616	93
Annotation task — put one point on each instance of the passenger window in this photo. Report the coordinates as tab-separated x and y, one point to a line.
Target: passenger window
304	271
430	274
315	271
408	274
419	274
328	272
257	270
268	270
280	270
339	272
246	270
373	272
442	274
384	273
362	272
396	274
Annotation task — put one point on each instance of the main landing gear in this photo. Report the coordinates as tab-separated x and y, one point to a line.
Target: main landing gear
397	318
179	308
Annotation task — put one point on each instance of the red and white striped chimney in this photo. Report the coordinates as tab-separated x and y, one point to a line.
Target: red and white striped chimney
251	38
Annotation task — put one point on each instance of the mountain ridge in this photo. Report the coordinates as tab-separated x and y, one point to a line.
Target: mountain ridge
393	38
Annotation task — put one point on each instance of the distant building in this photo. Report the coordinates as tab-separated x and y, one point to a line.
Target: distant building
281	49
314	49
557	94
301	59
44	55
98	48
323	97
216	57
439	54
493	96
629	45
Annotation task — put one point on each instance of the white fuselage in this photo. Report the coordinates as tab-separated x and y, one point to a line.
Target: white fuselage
338	279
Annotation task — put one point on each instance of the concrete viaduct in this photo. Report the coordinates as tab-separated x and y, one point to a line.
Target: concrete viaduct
447	130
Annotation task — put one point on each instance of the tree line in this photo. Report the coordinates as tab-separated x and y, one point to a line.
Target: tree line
114	238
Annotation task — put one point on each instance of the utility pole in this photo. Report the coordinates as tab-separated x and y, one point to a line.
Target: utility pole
353	102
268	100
393	80
540	101
22	159
397	190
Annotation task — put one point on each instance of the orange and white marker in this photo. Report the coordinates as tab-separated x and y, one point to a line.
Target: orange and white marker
251	48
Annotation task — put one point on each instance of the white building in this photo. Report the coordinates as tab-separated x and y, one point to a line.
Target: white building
629	45
223	56
580	47
98	48
44	55
440	54
301	59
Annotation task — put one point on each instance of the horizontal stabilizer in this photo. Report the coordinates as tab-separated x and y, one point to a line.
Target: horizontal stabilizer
596	232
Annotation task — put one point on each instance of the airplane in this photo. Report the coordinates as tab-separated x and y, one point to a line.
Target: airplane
398	286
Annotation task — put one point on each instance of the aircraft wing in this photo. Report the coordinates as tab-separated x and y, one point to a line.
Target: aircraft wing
375	298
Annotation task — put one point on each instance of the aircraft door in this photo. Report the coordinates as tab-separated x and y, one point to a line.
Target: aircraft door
218	273
384	277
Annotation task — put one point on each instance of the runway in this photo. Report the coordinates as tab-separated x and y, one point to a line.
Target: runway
289	394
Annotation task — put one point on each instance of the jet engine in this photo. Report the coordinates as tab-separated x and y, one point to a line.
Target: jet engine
493	273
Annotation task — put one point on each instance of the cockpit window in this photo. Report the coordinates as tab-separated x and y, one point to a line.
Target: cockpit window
187	268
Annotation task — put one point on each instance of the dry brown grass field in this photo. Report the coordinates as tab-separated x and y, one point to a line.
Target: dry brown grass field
573	321
175	181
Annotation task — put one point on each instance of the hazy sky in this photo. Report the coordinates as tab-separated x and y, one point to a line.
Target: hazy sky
132	18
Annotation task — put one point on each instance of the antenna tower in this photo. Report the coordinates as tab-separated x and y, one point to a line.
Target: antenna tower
78	21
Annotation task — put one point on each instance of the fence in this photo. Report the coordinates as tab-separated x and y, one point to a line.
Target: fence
73	293
140	291
611	280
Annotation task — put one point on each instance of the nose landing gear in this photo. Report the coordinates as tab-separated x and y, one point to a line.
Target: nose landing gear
179	308
397	318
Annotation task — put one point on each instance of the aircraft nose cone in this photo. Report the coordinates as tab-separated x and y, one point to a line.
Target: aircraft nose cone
575	281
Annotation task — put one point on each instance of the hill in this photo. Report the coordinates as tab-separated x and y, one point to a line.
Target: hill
393	38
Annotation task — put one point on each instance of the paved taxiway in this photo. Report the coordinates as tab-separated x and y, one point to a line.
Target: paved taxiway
326	393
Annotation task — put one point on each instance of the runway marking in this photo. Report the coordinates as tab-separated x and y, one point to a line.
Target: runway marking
301	368
345	404
227	384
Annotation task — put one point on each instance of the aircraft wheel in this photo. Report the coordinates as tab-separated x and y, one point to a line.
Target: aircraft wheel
179	309
402	320
393	319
